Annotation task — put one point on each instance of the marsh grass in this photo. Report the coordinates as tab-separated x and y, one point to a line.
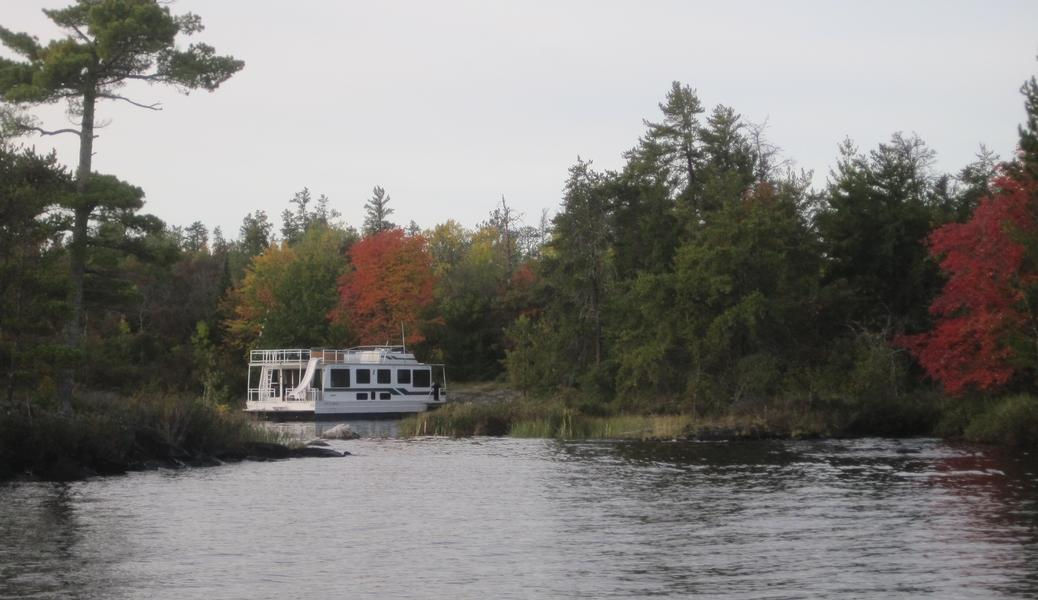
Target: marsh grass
1010	421
563	418
618	427
539	418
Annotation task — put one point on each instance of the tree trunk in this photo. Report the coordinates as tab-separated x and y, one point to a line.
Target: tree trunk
77	253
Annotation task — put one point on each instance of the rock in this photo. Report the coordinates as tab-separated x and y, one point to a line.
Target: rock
231	454
316	452
63	469
317	443
204	460
341	431
266	450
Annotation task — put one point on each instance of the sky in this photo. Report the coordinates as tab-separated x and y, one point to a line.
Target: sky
451	105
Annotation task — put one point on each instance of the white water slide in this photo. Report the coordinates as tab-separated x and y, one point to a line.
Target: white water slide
299	392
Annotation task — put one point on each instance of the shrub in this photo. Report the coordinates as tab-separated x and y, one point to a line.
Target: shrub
1012	421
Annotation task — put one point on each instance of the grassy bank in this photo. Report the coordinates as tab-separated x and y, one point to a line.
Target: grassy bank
108	434
1008	421
546	419
558	418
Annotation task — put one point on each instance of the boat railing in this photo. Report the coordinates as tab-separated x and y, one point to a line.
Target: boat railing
273	395
300	356
274	357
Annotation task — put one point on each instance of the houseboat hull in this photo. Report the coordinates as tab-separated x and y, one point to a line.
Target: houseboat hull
372	409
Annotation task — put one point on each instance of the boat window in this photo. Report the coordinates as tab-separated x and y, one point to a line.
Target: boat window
403	376
363	375
315	383
383	395
339	378
421	378
362	395
384	376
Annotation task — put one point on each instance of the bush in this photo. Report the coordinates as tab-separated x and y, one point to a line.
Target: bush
109	434
1011	421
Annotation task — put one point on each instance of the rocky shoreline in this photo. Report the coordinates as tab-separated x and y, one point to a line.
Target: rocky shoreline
164	456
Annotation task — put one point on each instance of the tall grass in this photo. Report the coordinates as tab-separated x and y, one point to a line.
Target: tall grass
563	419
540	419
109	434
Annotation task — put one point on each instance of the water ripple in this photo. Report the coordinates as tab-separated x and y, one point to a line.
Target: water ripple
503	518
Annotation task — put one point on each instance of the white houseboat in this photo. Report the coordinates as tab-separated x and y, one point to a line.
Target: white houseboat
362	381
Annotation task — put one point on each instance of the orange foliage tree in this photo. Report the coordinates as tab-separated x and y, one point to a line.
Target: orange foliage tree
391	283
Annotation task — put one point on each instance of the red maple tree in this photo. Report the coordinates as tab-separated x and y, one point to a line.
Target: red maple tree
982	304
390	283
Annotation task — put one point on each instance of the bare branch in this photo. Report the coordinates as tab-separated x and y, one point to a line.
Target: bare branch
43	131
153	106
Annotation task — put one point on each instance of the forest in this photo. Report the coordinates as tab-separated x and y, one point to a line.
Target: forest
706	277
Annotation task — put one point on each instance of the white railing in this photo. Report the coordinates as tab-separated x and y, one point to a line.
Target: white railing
270	357
270	395
361	354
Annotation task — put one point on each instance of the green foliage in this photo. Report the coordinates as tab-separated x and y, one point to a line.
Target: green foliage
746	296
109	434
1029	130
534	362
577	267
109	42
670	148
1011	421
32	285
874	220
295	224
288	292
376	211
470	311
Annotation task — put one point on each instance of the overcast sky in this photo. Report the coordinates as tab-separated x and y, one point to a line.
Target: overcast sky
450	104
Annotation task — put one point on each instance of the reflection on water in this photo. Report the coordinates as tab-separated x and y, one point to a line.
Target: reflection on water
503	518
308	430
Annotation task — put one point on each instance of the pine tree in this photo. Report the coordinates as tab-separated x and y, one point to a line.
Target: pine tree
108	43
377	209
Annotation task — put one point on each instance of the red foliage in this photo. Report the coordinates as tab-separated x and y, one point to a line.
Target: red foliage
391	282
980	303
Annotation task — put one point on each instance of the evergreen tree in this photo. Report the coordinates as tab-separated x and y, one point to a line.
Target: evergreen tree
294	223
578	269
671	147
1029	130
376	212
254	234
196	238
108	44
877	211
727	170
32	287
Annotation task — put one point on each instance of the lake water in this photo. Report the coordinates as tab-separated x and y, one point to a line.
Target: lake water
506	518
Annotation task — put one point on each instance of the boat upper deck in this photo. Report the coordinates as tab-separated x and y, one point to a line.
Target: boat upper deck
356	355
